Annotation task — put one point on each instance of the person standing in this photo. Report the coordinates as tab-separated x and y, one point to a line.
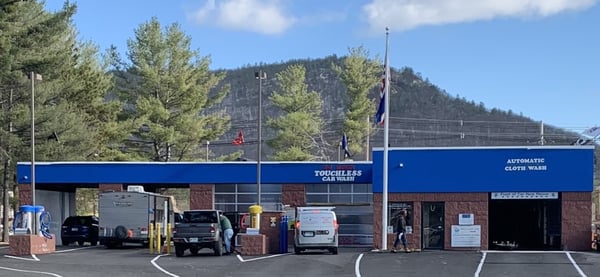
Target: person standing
227	232
401	232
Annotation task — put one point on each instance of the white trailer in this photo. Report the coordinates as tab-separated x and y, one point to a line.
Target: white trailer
125	216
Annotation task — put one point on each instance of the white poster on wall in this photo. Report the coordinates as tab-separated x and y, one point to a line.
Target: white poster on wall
466	236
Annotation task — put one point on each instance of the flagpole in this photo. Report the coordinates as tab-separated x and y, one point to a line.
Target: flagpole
386	125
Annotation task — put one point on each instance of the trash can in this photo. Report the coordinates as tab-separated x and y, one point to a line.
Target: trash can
283	235
255	211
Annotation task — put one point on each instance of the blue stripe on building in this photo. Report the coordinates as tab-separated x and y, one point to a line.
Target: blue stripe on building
486	169
194	173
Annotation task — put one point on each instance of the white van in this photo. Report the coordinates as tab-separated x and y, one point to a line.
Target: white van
315	228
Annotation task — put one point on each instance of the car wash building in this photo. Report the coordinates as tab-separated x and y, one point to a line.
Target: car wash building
456	198
526	198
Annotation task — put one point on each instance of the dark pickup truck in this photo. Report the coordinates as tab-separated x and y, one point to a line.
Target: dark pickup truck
198	229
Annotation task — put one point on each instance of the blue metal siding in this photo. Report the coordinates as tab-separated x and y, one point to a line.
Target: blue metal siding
486	169
193	173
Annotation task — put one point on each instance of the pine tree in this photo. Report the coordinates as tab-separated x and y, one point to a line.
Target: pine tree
359	74
70	111
299	128
173	87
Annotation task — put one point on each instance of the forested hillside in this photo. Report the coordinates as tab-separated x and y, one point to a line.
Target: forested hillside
421	115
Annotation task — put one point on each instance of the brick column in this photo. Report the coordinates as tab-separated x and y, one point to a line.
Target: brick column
25	196
253	245
109	187
202	196
576	220
270	230
377	204
293	195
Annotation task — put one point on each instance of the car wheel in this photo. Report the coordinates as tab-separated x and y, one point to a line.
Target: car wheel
111	244
218	249
80	242
121	232
65	242
334	250
297	250
179	250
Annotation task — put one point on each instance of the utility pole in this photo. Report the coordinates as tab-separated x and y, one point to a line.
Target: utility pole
5	180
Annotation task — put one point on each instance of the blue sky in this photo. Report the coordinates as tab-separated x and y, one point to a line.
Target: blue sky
538	58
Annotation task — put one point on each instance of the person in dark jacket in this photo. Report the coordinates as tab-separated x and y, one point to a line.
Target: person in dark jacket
401	232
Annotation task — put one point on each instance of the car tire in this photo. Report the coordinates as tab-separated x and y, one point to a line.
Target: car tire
297	250
334	250
112	244
218	249
179	250
121	232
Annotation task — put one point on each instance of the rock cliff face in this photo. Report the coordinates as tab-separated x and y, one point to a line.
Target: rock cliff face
422	115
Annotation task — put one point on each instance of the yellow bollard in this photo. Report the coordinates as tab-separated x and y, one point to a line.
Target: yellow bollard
158	245
151	238
168	240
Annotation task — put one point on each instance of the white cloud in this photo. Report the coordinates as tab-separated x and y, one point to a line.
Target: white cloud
408	14
260	16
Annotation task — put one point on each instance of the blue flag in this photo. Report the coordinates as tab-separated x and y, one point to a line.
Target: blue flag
345	146
380	115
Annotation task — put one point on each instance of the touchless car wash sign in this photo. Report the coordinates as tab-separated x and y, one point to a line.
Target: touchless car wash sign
339	173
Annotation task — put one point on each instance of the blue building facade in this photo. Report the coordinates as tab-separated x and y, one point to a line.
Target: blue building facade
454	183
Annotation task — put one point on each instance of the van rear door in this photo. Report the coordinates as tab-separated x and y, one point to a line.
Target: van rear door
316	227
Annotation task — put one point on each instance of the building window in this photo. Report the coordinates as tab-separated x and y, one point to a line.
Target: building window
394	209
339	193
239	197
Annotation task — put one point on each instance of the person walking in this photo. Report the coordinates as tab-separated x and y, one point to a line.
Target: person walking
401	232
227	232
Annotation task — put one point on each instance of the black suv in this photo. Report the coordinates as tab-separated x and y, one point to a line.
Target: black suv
79	229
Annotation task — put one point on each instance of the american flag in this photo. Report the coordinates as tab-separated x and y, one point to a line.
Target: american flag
380	115
345	146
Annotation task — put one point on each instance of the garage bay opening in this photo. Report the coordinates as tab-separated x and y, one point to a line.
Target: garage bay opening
525	221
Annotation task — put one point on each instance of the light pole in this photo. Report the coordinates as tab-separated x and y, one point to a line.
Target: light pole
207	143
33	77
260	75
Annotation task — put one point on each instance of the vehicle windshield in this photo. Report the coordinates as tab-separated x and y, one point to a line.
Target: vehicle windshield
78	220
200	217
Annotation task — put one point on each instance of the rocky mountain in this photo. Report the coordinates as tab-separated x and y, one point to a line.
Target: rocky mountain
422	115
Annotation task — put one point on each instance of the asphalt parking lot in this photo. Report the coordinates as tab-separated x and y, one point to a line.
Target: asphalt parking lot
357	262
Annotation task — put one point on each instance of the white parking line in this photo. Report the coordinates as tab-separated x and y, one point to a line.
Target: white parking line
30	271
260	258
153	262
357	265
581	273
480	266
75	249
33	258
